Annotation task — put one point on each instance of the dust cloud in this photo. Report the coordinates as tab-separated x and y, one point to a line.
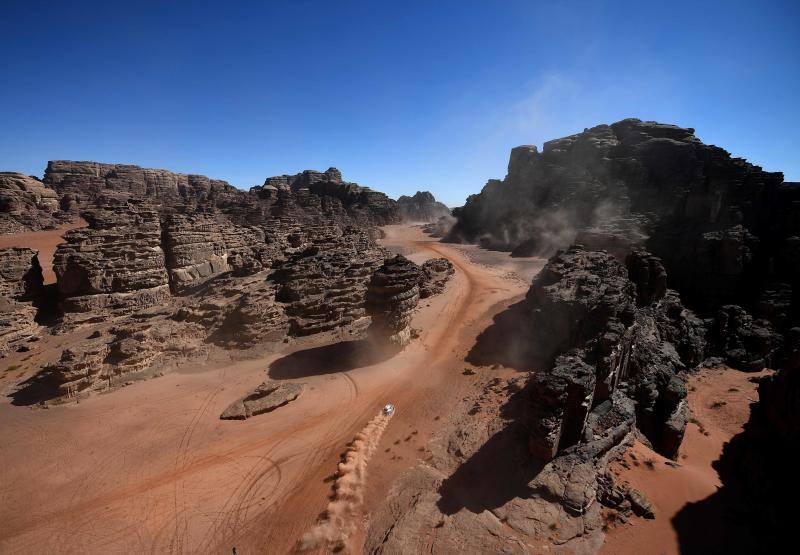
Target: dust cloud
343	511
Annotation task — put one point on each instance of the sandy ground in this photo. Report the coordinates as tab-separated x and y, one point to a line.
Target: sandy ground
45	242
720	402
150	468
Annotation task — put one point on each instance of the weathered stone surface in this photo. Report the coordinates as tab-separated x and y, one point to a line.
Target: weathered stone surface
87	181
392	296
591	340
421	207
26	204
323	286
20	284
721	226
267	397
200	246
324	197
435	274
116	262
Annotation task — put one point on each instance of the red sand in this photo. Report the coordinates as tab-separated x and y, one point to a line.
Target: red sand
669	489
45	242
152	468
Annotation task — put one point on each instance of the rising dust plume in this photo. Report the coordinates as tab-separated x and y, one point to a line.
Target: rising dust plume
341	515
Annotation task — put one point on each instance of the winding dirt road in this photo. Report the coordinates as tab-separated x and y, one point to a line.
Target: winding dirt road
150	468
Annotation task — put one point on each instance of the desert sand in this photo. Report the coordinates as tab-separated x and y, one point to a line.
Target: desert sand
152	468
720	399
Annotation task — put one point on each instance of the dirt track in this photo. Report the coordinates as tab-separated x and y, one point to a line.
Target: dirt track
151	468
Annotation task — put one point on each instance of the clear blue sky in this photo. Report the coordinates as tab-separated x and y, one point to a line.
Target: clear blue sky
400	95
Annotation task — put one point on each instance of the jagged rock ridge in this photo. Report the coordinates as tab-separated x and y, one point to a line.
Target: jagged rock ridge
725	229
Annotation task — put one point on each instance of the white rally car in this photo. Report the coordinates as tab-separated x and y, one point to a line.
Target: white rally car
388	409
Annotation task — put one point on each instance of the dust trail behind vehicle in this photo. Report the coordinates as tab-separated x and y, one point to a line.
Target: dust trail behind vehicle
343	511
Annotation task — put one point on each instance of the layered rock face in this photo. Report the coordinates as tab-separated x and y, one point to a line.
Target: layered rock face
323	285
421	207
599	333
116	262
20	284
392	296
83	182
434	276
723	228
26	204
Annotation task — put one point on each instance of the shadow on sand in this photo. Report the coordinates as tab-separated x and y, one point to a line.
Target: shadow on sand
510	340
499	471
40	387
338	357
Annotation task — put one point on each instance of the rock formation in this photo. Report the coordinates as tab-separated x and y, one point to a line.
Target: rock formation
723	228
171	264
600	332
267	397
435	274
26	204
323	286
422	207
20	284
116	263
392	296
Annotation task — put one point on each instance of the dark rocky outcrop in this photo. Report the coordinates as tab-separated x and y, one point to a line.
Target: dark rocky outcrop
84	182
421	207
602	327
392	296
267	397
172	264
722	227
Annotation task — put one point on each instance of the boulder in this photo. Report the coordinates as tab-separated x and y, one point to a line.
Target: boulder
267	397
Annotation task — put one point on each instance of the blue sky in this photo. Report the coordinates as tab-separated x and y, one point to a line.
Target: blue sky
400	96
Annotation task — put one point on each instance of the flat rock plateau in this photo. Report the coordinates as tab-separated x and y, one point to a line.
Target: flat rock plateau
597	353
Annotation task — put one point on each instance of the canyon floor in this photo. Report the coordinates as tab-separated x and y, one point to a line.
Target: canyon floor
152	468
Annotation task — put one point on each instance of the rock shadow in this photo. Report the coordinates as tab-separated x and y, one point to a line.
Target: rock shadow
40	387
509	340
750	513
501	470
328	359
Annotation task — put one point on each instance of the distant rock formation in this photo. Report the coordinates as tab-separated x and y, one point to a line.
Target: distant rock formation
27	204
422	207
267	397
392	296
